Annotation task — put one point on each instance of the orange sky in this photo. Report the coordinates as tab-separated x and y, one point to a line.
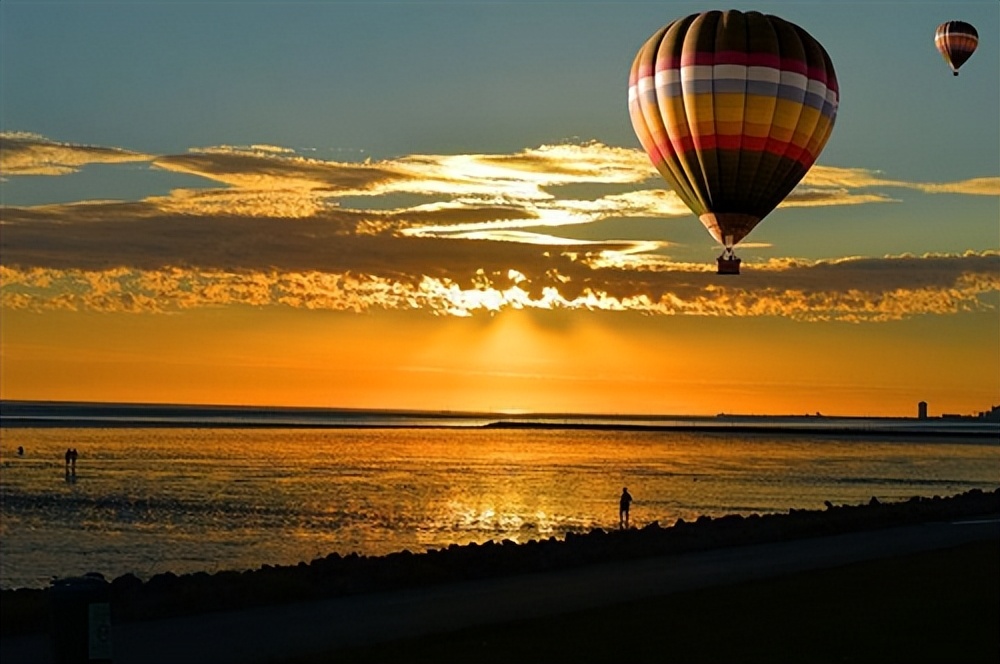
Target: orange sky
514	360
556	279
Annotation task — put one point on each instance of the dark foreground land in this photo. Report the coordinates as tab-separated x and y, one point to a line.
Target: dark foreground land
898	582
941	606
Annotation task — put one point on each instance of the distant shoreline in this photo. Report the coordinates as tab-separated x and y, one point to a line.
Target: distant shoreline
743	428
39	414
734	428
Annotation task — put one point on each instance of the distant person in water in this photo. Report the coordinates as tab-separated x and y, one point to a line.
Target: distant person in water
20	450
71	455
623	504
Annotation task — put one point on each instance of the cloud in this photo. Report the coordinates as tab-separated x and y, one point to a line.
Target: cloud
973	187
23	153
805	196
269	170
832	178
450	234
461	193
854	289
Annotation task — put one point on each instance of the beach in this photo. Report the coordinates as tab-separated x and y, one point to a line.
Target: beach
185	499
306	544
516	594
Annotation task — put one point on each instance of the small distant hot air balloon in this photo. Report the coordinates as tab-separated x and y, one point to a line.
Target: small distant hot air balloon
957	41
732	108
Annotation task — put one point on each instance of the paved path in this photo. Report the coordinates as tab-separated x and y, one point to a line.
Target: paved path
272	633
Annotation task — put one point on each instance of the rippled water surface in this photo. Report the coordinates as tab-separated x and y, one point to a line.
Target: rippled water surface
147	501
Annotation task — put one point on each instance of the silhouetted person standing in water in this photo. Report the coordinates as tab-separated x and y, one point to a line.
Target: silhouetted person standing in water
623	505
70	466
71	455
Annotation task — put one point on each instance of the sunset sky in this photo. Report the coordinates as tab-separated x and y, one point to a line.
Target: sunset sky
443	205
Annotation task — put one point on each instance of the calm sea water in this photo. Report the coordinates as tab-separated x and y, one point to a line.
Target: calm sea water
148	500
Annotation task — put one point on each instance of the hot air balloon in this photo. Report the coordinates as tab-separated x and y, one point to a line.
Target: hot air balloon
732	108
957	41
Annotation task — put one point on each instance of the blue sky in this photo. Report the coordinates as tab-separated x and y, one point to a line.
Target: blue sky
471	144
390	78
351	80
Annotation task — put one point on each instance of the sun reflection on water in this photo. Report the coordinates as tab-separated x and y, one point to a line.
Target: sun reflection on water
147	501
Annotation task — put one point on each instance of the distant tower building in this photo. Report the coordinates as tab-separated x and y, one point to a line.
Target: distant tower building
922	410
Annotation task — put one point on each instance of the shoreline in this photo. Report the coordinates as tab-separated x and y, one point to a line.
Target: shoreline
165	595
743	427
926	591
851	431
853	427
16	414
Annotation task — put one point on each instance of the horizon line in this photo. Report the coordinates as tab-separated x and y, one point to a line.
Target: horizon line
447	412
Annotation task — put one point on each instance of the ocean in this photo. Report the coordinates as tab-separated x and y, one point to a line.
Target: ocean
195	495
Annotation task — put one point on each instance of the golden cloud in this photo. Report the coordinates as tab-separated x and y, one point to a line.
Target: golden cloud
857	289
267	170
973	187
452	234
463	193
833	178
23	153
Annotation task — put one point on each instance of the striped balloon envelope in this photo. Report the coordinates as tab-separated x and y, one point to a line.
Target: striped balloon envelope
732	108
956	40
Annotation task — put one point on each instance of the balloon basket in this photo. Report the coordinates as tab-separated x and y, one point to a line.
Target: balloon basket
728	265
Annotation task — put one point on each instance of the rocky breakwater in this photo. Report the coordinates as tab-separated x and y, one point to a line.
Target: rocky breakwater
168	594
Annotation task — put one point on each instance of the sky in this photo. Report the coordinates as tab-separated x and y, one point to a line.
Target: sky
443	206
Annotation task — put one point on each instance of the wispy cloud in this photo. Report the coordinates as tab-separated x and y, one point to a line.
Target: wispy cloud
973	187
451	234
22	153
834	180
